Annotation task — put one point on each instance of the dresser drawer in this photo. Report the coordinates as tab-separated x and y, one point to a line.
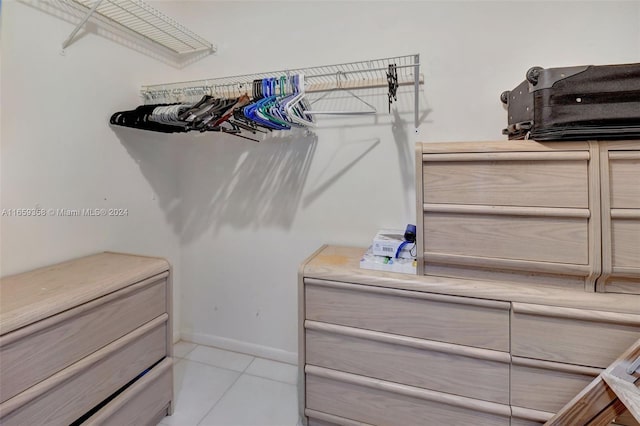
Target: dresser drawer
531	179
143	403
444	367
317	418
528	417
451	319
625	419
506	236
384	403
624	172
315	422
620	218
573	336
33	353
524	422
621	271
625	241
547	386
70	393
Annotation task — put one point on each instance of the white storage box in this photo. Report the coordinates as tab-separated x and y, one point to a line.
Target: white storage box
387	241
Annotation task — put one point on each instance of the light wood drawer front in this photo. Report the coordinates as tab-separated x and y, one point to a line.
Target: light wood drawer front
459	320
140	403
507	183
625	243
524	422
528	417
314	422
547	386
316	418
541	239
70	393
625	419
461	370
624	171
573	336
384	403
31	354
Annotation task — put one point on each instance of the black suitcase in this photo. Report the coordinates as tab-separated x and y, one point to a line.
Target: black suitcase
575	103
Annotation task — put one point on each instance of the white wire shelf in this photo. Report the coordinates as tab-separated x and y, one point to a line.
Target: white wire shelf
353	75
145	21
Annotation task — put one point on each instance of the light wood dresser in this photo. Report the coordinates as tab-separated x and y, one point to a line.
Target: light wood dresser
620	176
528	286
87	342
382	348
563	213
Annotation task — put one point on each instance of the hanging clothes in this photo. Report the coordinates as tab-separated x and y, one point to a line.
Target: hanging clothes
274	104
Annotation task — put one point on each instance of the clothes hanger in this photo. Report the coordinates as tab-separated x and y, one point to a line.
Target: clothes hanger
254	113
392	81
268	108
240	102
242	121
296	106
197	105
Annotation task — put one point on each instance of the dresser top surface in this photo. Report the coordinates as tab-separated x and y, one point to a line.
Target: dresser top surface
520	146
498	146
335	263
38	294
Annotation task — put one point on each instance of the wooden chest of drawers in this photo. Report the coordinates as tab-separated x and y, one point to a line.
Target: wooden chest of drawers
503	324
392	349
556	213
518	211
78	333
620	177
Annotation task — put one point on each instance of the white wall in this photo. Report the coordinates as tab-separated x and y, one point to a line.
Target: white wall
237	218
252	213
58	150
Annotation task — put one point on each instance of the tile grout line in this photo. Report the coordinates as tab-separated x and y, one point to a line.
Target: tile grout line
249	365
185	355
240	353
241	372
220	399
214	366
245	369
269	378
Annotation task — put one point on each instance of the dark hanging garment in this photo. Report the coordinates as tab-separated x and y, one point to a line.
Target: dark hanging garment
139	118
575	103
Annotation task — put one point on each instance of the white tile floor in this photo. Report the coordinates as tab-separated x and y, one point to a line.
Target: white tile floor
214	387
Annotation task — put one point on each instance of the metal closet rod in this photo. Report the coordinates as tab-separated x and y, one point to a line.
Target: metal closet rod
372	70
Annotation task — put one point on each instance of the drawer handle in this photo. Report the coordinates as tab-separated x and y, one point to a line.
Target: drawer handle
507	210
577	314
511	156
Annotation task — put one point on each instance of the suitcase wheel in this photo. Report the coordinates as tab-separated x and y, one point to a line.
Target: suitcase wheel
533	74
504	97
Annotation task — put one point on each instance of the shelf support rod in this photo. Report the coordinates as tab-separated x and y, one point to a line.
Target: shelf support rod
416	82
67	42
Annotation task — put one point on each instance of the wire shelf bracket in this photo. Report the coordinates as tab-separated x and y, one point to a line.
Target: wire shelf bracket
353	75
145	21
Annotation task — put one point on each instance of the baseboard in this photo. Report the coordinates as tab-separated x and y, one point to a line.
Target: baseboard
240	346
